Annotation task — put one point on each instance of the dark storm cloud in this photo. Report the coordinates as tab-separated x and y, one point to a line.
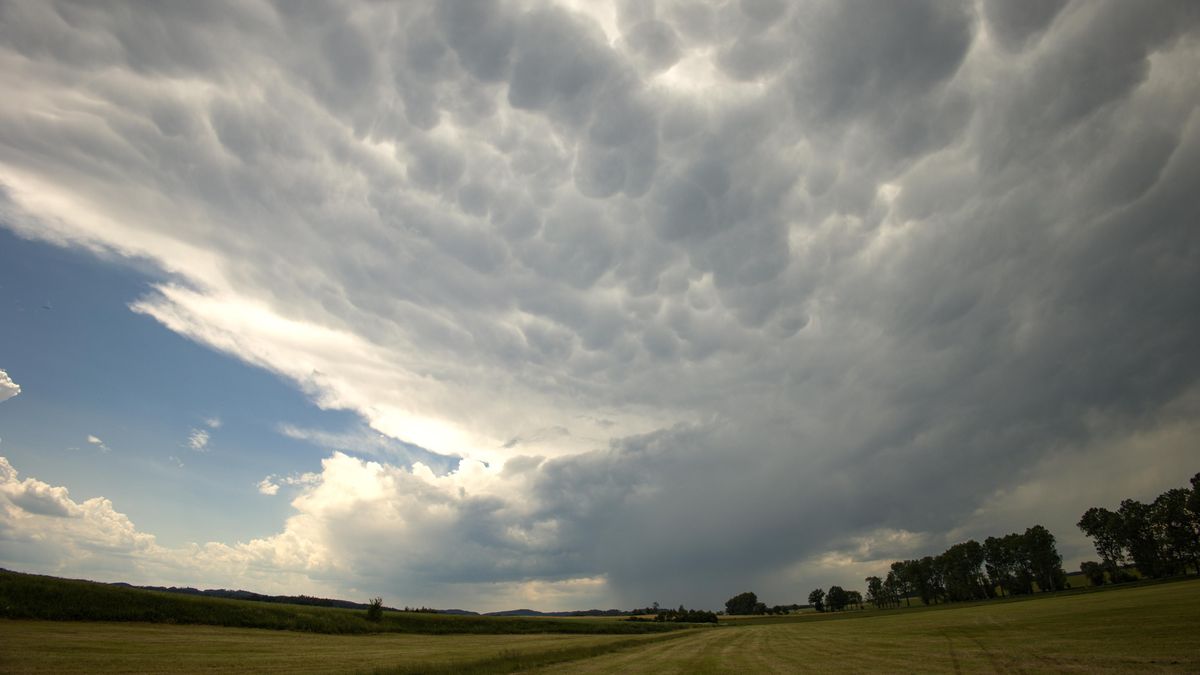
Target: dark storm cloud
833	274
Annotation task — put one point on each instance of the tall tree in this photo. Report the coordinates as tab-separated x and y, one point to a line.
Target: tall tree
836	598
962	567
1174	526
742	603
1044	561
1105	529
930	585
891	589
875	592
816	598
905	582
854	598
999	560
1137	535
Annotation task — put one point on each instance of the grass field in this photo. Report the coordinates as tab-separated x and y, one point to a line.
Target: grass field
1139	629
1148	628
105	647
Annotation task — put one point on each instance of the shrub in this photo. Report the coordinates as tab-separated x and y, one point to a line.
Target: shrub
375	610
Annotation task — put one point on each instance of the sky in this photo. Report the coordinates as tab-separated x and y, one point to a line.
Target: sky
569	305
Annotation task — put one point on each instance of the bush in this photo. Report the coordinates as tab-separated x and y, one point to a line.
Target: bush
375	610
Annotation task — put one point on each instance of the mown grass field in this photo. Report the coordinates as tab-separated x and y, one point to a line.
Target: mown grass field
1139	629
107	647
1152	628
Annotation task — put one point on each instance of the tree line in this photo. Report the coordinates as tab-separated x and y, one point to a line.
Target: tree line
836	600
1160	539
1008	565
747	603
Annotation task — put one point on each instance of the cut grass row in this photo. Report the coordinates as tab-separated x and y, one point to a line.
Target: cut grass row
27	596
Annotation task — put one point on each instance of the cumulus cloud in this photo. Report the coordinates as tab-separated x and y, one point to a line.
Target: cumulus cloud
8	388
813	271
354	523
100	445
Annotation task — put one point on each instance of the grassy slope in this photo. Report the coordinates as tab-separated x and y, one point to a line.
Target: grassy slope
26	596
103	647
1140	629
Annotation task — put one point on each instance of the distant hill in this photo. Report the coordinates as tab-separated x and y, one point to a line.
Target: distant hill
347	604
32	596
259	597
583	612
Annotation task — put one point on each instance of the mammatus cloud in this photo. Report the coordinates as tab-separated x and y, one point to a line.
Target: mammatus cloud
8	388
744	283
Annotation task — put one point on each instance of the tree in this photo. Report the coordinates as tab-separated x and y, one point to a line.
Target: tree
743	603
1174	526
1000	562
1094	572
904	579
854	598
817	599
375	610
1043	559
684	615
891	590
1137	536
836	598
1104	527
962	568
875	592
935	584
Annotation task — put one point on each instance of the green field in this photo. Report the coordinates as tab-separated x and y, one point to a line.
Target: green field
1134	629
1123	629
107	647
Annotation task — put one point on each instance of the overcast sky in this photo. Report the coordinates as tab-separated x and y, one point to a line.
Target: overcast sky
575	305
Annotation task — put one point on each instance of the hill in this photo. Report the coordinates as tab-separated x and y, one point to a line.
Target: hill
29	596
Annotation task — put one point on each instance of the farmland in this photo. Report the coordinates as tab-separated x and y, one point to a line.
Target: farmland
1130	629
1139	629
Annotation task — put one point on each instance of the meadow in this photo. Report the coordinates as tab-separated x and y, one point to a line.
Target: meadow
111	647
1136	628
1151	628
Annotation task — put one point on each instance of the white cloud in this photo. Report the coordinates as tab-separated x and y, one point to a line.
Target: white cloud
8	388
93	440
355	521
198	440
777	251
213	422
270	485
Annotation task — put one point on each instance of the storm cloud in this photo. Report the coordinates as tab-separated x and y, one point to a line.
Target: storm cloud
705	294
